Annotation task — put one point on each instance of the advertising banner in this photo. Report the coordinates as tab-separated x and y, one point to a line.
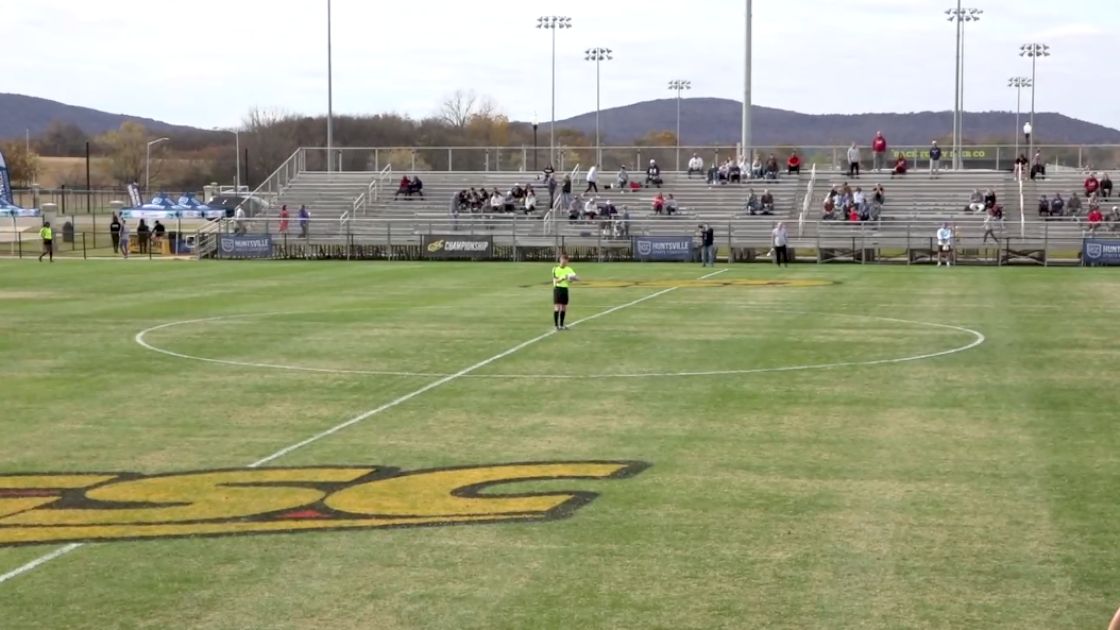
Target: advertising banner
248	246
5	184
663	248
458	246
1099	251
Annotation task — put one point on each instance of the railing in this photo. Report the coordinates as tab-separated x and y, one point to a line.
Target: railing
271	188
373	194
359	203
523	157
1022	208
205	238
807	203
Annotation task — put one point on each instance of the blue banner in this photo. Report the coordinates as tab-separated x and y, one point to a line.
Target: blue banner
5	184
1101	252
663	248
248	246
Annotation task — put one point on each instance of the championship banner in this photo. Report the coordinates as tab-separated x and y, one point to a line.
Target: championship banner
1101	252
662	248
457	246
230	246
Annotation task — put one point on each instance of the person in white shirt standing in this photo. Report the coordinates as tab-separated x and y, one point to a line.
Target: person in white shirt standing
853	161
592	180
780	240
696	165
945	245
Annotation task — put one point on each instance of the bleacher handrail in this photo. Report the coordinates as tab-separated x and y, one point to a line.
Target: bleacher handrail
805	205
1022	209
270	189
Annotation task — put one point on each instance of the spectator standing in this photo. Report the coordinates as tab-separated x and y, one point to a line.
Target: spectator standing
853	161
551	192
990	227
1037	167
779	238
1021	164
695	165
566	191
653	174
143	235
707	246
945	245
284	220
878	152
238	222
124	239
115	232
623	180
1106	186
158	231
592	180
793	164
878	195
548	173
304	221
934	160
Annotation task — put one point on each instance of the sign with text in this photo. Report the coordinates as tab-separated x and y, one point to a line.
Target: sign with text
248	246
662	248
1101	252
458	246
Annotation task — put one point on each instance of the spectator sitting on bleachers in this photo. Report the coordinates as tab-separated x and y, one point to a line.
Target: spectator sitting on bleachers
548	173
859	200
713	175
1095	218
653	174
767	203
900	166
772	167
1057	205
509	202
405	188
1092	185
829	213
793	164
497	201
658	204
1021	164
853	214
878	195
458	203
590	209
735	173
518	192
416	187
622	181
530	201
975	201
725	171
989	199
671	206
1073	206
1043	206
695	165
756	167
1106	187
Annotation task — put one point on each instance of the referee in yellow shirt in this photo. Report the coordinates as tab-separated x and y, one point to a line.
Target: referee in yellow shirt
562	278
47	234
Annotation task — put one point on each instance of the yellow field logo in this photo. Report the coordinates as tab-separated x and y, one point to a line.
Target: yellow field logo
53	508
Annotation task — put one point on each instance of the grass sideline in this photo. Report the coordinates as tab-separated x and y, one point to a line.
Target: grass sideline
970	490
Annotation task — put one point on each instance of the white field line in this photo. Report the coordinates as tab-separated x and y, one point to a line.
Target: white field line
61	551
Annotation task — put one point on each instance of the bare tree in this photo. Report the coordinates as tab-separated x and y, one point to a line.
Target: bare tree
127	152
458	108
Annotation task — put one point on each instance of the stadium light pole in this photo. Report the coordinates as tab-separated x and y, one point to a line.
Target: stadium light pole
960	16
679	85
1018	83
598	55
148	162
1034	51
330	92
237	157
745	140
553	23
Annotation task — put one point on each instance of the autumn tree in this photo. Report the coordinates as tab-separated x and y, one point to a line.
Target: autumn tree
23	165
62	139
127	151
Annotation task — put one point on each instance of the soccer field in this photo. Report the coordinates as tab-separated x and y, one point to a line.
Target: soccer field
412	446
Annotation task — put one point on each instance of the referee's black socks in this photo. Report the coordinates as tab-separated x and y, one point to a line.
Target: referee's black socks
562	314
556	318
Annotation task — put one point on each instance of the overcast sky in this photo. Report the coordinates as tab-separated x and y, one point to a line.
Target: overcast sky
180	61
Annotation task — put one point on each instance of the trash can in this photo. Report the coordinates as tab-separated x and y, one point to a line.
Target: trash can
68	232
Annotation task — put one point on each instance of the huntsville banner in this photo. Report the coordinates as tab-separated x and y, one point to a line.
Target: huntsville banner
662	248
1101	252
458	246
248	246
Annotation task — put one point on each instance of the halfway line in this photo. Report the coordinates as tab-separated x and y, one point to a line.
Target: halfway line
58	553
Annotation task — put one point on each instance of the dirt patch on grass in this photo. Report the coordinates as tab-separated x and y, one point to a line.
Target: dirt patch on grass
26	295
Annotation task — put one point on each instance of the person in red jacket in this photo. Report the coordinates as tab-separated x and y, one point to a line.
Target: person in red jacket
879	151
1095	219
900	166
793	164
1092	185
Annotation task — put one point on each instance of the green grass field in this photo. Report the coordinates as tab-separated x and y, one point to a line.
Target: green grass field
972	489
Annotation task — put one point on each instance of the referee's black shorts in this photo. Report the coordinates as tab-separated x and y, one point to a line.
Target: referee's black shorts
560	295
47	244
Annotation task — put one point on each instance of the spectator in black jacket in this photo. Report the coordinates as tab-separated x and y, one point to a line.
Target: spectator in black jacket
115	232
653	174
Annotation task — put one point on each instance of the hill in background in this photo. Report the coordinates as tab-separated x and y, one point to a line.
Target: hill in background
706	121
19	113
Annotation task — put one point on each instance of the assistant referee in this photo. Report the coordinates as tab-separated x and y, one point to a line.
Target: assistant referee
47	234
562	278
